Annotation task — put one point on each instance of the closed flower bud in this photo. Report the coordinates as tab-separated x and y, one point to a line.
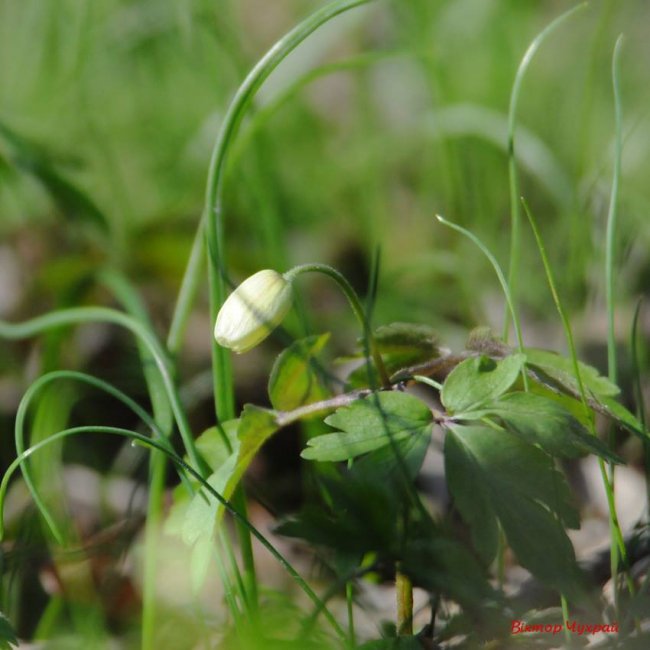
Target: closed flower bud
253	311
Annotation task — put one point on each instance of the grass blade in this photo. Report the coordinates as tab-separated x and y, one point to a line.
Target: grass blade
502	280
612	215
157	445
515	216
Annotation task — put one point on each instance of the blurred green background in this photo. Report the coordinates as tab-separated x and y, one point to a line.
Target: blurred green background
388	115
404	117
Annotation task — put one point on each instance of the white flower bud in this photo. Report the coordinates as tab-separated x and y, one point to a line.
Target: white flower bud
253	311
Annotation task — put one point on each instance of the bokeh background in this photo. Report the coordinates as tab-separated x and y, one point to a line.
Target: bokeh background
388	115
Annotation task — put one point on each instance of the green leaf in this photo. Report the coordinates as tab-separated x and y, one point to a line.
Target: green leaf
478	380
385	462
365	513
466	485
545	422
509	464
200	563
410	342
370	423
622	416
213	447
7	634
175	520
555	373
201	514
541	545
442	564
560	369
194	518
568	401
297	377
256	426
521	486
400	345
360	515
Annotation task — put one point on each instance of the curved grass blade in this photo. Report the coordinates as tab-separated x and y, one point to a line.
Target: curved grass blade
21	414
80	315
638	392
213	213
502	280
158	446
515	217
128	296
612	215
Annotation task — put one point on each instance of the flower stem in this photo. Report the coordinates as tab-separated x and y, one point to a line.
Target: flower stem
404	589
357	308
212	226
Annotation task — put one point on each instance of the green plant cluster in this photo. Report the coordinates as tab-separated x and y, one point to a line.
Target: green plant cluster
505	417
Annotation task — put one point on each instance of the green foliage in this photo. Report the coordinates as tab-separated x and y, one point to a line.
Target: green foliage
615	410
405	455
194	518
201	513
217	444
363	513
7	634
560	369
491	474
297	377
555	372
400	345
478	380
439	563
547	423
256	426
467	487
371	423
406	344
135	177
228	452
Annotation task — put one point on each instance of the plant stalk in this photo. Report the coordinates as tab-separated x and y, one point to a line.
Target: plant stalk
404	592
212	224
357	308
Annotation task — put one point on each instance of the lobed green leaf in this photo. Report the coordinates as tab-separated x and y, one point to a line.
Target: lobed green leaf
360	514
385	462
466	484
478	380
547	423
492	472
371	423
560	369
